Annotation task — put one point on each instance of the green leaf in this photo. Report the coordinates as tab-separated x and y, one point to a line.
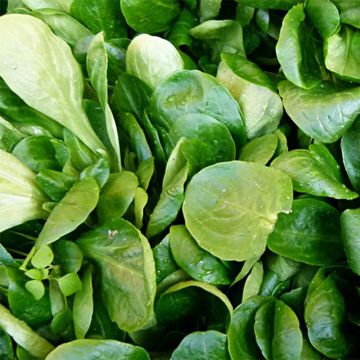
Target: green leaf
136	136
126	266
94	349
70	212
264	328
209	9
44	50
183	299
48	4
97	68
202	345
54	184
310	233
191	91
131	95
324	15
164	260
271	4
350	220
172	194
221	36
253	282
69	255
287	340
69	284
37	311
83	305
296	50
260	150
116	196
140	201
35	288
350	143
198	263
255	93
6	346
314	173
223	202
43	257
324	112
208	141
349	12
37	153
325	315
21	199
179	34
151	16
342	54
100	15
63	25
23	334
241	337
152	59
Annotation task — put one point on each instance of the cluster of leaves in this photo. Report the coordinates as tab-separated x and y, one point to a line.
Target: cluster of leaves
179	179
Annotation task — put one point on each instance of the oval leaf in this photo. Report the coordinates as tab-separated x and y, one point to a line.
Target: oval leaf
230	208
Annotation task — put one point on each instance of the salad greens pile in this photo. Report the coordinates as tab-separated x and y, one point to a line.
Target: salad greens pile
179	179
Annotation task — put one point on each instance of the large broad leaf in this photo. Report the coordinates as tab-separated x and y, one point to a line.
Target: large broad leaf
324	112
21	199
349	12
314	172
202	345
241	336
342	54
296	50
325	317
253	90
93	349
350	225
310	233
150	16
126	265
230	208
100	15
324	15
350	143
191	91
44	73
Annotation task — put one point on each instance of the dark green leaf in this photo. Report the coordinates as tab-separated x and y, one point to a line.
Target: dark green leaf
310	233
151	16
324	112
313	173
296	50
209	345
198	263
